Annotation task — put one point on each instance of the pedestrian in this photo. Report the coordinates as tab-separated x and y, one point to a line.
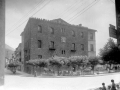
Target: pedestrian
113	87
35	74
118	87
103	88
109	88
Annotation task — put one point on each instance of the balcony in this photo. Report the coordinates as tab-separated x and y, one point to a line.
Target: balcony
52	48
73	50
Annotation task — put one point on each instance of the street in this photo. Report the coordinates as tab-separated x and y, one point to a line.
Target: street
22	81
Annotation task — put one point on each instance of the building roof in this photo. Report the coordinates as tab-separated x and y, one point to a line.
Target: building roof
21	33
19	46
59	20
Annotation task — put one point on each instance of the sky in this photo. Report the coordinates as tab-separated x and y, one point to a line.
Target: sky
94	14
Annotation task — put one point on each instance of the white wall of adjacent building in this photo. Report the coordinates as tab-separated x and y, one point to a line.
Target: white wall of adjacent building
91	44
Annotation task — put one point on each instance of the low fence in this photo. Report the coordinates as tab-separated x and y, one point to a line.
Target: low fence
71	73
67	72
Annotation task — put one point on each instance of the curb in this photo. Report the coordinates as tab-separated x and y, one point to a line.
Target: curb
78	76
43	76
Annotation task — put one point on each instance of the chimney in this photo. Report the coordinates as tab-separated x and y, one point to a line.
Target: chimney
80	24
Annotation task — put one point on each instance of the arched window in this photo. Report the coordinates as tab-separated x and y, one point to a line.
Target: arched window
73	33
51	30
39	28
82	34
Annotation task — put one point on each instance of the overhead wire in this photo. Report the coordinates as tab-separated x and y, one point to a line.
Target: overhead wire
77	8
27	19
27	14
75	16
36	12
84	10
70	7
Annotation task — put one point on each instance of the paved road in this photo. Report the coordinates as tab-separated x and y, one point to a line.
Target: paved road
23	82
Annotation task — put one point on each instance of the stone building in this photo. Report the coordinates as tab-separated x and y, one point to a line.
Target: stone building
18	57
47	38
8	54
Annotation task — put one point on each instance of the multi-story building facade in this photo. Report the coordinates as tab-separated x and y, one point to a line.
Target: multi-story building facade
43	39
18	57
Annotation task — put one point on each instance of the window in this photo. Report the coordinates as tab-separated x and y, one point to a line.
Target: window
52	44
91	36
63	51
63	39
82	34
73	33
91	47
62	30
39	29
24	51
51	30
29	56
39	56
39	43
20	60
73	46
82	47
20	53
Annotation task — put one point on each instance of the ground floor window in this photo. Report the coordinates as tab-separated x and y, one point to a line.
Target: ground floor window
39	56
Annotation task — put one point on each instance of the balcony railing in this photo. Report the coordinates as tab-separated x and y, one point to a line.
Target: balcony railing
73	50
51	48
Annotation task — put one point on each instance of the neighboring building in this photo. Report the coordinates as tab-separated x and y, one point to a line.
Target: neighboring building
91	43
18	57
8	51
8	54
44	39
22	50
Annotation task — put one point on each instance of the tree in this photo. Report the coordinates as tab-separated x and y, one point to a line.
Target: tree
108	46
42	64
78	63
55	65
110	53
93	61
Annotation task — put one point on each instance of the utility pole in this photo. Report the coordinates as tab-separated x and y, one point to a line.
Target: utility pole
2	40
115	32
117	11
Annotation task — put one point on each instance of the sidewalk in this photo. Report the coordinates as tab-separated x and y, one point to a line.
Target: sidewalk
8	72
94	75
